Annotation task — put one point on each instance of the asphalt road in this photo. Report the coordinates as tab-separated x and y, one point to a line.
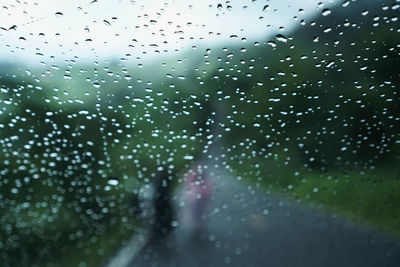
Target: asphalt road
247	227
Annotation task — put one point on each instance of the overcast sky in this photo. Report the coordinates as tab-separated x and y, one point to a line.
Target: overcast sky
58	30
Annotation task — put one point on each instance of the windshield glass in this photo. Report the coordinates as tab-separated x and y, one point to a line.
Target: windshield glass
199	133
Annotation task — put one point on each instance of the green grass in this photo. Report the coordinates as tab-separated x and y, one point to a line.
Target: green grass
94	251
370	197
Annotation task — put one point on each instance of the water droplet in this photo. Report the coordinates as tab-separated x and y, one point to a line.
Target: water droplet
326	12
271	43
113	181
281	38
137	99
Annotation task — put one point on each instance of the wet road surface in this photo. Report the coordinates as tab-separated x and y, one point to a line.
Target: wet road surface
247	227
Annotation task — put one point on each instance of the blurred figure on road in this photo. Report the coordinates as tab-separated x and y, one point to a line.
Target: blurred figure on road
163	210
197	191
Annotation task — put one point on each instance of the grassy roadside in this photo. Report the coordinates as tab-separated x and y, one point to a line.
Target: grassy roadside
370	197
94	250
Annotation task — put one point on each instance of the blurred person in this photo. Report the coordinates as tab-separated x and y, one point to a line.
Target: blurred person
163	210
197	191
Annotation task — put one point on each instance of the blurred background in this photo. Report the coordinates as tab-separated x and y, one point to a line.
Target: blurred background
97	97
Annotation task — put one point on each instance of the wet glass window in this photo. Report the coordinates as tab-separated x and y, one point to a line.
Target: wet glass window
200	133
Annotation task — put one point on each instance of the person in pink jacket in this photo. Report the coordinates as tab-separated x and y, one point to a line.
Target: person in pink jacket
198	190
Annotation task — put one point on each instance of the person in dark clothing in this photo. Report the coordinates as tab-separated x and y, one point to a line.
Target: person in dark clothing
163	210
